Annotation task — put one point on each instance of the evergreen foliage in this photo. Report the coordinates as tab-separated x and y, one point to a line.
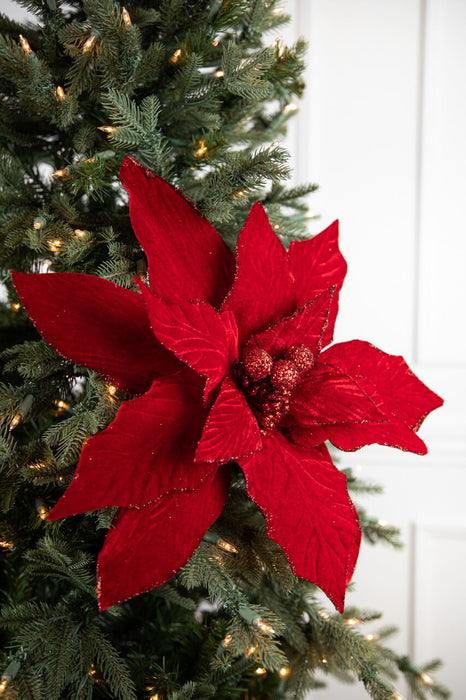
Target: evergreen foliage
198	92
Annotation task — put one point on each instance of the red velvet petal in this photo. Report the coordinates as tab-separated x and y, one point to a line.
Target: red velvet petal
231	430
329	395
306	326
147	546
95	323
263	291
352	436
308	512
186	257
387	378
402	399
318	264
201	337
145	453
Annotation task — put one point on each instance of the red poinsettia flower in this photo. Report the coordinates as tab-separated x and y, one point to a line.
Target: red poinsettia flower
228	356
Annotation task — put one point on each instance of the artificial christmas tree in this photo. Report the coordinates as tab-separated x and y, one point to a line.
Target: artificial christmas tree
235	393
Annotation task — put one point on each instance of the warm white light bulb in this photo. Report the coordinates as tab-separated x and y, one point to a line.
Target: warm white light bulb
227	547
426	679
264	627
201	150
352	621
25	45
15	421
89	43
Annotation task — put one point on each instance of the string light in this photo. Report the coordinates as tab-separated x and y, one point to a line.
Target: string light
62	405
371	637
251	651
3	684
276	227
397	696
42	512
15	307
264	627
39	221
426	679
60	93
382	523
215	43
24	407
92	671
176	56
202	150
227	641
260	671
223	544
79	233
240	193
311	215
352	621
284	672
107	129
15	421
125	16
55	245
290	107
112	390
323	614
5	544
25	45
59	173
37	466
89	43
324	660
219	73
227	547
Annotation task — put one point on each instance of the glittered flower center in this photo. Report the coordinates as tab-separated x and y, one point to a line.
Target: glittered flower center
268	384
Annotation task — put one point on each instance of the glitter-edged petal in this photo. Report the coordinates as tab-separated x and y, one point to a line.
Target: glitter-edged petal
146	546
263	290
318	264
187	259
355	435
387	378
231	430
95	323
401	398
308	512
145	453
201	337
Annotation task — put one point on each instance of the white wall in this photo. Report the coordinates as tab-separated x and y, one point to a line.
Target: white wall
382	129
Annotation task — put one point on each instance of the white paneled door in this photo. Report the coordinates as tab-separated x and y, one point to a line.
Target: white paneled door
382	129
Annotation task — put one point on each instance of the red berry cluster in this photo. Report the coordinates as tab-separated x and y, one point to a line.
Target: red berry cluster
268	384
